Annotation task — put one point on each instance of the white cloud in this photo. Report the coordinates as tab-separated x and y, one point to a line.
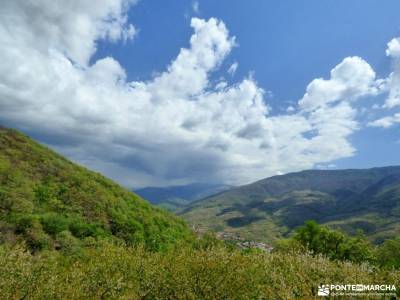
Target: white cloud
232	69
386	122
71	27
290	109
351	79
392	85
393	48
175	128
393	81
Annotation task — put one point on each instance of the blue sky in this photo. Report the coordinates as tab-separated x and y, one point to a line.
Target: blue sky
141	91
285	43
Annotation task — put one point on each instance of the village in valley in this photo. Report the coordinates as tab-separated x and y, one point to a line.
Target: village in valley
241	242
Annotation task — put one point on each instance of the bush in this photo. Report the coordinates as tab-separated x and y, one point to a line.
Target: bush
37	240
24	222
54	223
67	243
388	254
332	244
289	246
43	193
80	229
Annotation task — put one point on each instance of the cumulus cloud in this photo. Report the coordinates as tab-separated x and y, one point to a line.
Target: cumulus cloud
70	27
393	51
393	48
351	79
178	127
392	86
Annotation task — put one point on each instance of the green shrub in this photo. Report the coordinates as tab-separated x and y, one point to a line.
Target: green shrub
24	222
356	250
43	193
333	244
37	240
388	254
54	223
289	245
67	243
81	229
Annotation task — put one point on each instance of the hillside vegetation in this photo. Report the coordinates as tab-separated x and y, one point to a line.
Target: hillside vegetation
114	272
69	233
49	202
350	200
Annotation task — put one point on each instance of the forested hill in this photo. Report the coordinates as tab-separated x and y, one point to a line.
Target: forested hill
354	199
49	202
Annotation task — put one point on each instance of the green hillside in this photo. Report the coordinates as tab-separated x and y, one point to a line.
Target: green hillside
271	208
88	238
51	203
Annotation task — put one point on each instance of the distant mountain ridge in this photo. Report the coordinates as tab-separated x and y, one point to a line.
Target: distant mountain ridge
174	197
353	199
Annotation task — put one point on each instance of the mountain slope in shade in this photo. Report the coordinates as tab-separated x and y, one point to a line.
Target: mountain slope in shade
47	201
174	197
271	208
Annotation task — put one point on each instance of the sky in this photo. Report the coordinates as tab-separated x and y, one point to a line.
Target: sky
159	93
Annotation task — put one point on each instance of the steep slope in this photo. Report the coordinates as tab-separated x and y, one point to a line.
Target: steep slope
270	208
48	201
174	197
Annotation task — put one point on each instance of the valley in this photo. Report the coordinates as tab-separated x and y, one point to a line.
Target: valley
366	200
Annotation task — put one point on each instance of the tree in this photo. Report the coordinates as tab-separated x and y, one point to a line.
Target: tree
332	243
388	254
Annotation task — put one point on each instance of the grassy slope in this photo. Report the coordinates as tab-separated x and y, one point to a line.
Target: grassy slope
48	201
267	209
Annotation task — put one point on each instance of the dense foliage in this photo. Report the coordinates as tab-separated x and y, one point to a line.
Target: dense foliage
336	245
107	271
388	254
50	203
